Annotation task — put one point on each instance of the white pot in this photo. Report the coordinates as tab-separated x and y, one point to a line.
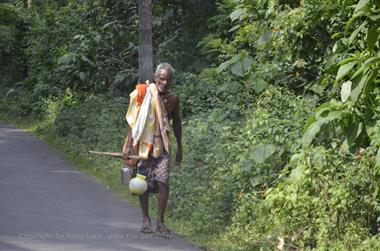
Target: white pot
138	185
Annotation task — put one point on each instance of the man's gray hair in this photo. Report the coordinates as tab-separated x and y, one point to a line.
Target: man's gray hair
167	67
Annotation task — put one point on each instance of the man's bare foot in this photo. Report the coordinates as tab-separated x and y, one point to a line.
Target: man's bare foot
146	228
163	231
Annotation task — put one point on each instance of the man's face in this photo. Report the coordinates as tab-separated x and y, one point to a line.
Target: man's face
163	80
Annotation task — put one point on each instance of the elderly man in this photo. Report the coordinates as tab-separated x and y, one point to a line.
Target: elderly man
152	141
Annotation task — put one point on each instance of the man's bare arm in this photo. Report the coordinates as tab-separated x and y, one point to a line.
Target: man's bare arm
177	128
127	147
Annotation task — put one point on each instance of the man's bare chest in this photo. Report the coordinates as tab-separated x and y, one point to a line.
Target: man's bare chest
169	103
169	109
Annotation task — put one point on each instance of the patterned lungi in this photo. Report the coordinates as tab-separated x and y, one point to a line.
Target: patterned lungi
155	169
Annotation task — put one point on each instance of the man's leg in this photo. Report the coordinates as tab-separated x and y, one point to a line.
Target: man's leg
162	177
163	194
144	204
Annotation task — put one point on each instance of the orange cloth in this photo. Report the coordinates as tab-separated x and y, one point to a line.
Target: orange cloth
141	92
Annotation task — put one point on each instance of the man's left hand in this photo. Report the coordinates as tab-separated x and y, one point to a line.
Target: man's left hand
178	158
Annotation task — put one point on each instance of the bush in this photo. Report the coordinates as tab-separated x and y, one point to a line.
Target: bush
328	201
228	162
12	43
93	122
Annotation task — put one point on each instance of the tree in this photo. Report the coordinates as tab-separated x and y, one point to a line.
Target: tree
145	40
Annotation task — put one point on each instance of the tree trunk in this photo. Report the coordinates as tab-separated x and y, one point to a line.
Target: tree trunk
145	41
29	4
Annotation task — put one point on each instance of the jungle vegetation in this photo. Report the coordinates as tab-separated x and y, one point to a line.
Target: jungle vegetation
280	102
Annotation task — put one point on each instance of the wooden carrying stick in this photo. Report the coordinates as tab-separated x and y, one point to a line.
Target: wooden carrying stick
117	155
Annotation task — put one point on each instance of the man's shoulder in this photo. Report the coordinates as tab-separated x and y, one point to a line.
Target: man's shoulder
173	97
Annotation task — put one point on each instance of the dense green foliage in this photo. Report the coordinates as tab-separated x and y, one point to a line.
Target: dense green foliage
12	43
279	98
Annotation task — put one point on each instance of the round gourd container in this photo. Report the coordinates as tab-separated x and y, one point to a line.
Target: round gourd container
138	185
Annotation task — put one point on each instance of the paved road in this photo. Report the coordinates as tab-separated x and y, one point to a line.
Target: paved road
45	204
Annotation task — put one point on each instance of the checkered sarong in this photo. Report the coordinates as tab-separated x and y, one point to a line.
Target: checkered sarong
155	169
